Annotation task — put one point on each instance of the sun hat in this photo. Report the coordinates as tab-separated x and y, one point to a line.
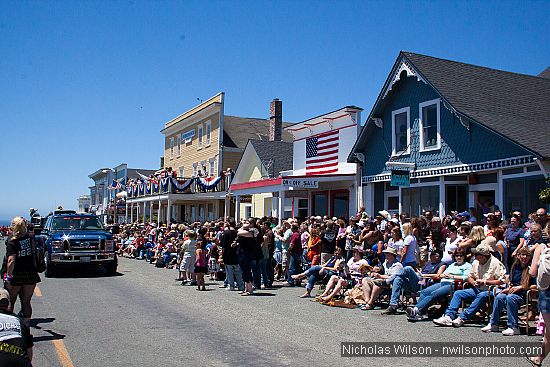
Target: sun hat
390	250
385	214
482	249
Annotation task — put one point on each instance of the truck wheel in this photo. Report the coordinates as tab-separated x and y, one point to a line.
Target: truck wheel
50	268
112	268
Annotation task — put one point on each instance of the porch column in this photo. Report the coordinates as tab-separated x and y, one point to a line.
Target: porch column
368	201
144	211
168	212
158	217
499	195
442	199
352	201
132	212
151	211
400	202
126	213
273	206
281	206
227	206
238	208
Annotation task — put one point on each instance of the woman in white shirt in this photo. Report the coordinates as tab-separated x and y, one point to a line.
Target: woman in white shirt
410	248
450	245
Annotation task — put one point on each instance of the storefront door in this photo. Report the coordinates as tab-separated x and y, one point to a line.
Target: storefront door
340	203
320	203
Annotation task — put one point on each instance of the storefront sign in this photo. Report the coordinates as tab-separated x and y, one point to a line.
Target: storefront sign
301	183
400	178
188	136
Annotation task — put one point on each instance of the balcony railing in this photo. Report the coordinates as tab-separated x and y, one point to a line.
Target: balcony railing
171	185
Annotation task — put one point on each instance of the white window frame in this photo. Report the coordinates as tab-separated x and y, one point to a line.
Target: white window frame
211	167
200	134
172	148
195	169
436	102
393	142
208	132
182	171
178	146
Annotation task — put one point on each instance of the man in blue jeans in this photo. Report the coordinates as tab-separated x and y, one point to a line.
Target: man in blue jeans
408	279
487	271
295	254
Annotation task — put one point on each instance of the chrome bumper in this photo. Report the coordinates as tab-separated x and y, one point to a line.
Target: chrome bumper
82	257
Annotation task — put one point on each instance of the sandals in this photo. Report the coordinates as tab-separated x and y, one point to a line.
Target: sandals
533	363
246	294
366	307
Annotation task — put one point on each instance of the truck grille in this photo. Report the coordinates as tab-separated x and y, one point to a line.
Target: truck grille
84	245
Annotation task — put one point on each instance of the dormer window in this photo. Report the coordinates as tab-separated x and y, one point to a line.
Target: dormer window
430	136
401	132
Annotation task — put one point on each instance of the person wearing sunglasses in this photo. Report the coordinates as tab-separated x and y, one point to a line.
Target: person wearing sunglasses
458	270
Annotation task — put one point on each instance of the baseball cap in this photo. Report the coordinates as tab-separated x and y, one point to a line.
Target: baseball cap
464	214
4	296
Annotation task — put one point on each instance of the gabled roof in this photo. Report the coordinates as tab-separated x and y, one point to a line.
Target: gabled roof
278	153
515	106
545	73
240	129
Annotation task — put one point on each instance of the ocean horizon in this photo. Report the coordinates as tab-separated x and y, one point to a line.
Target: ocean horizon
5	222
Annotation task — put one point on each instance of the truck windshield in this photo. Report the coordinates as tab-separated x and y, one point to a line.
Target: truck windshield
82	223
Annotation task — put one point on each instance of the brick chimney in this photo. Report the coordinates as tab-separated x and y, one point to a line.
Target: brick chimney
275	120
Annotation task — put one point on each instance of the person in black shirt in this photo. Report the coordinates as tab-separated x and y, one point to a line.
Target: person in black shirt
20	276
15	338
328	242
229	257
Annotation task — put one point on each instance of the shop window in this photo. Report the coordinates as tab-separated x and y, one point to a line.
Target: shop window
181	172
523	194
212	168
247	210
320	204
401	131
393	203
416	201
340	204
178	146
210	211
456	198
303	208
430	137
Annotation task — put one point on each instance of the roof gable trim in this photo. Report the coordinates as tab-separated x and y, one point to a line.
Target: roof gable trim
404	66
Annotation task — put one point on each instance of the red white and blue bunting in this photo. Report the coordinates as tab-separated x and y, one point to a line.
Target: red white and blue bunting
180	186
207	183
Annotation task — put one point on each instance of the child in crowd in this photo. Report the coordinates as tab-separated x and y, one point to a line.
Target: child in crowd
200	267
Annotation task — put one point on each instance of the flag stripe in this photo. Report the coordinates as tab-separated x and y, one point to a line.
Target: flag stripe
317	166
309	173
324	159
328	153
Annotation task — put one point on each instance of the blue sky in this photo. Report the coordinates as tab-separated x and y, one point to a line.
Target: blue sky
89	84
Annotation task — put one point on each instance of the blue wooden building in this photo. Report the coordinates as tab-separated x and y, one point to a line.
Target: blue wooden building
468	136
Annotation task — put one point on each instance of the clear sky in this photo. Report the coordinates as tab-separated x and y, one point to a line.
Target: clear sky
89	84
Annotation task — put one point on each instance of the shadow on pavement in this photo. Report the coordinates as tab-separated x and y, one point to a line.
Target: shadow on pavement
85	273
53	336
38	321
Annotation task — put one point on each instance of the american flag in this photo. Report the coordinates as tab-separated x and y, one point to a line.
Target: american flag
115	185
322	153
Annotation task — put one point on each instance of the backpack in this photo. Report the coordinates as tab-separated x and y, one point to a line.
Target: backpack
543	274
39	253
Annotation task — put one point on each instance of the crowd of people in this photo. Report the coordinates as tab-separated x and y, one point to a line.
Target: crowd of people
450	267
370	261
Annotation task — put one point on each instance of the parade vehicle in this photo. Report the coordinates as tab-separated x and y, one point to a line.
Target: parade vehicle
74	240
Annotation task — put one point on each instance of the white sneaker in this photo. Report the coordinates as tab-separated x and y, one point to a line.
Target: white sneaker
511	331
490	328
443	321
458	322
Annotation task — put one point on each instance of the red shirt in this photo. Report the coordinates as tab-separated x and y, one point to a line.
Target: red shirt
295	243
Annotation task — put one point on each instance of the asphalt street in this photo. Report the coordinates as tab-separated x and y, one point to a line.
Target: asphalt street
143	317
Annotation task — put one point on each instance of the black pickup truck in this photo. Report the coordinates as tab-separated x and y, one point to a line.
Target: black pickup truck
76	240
